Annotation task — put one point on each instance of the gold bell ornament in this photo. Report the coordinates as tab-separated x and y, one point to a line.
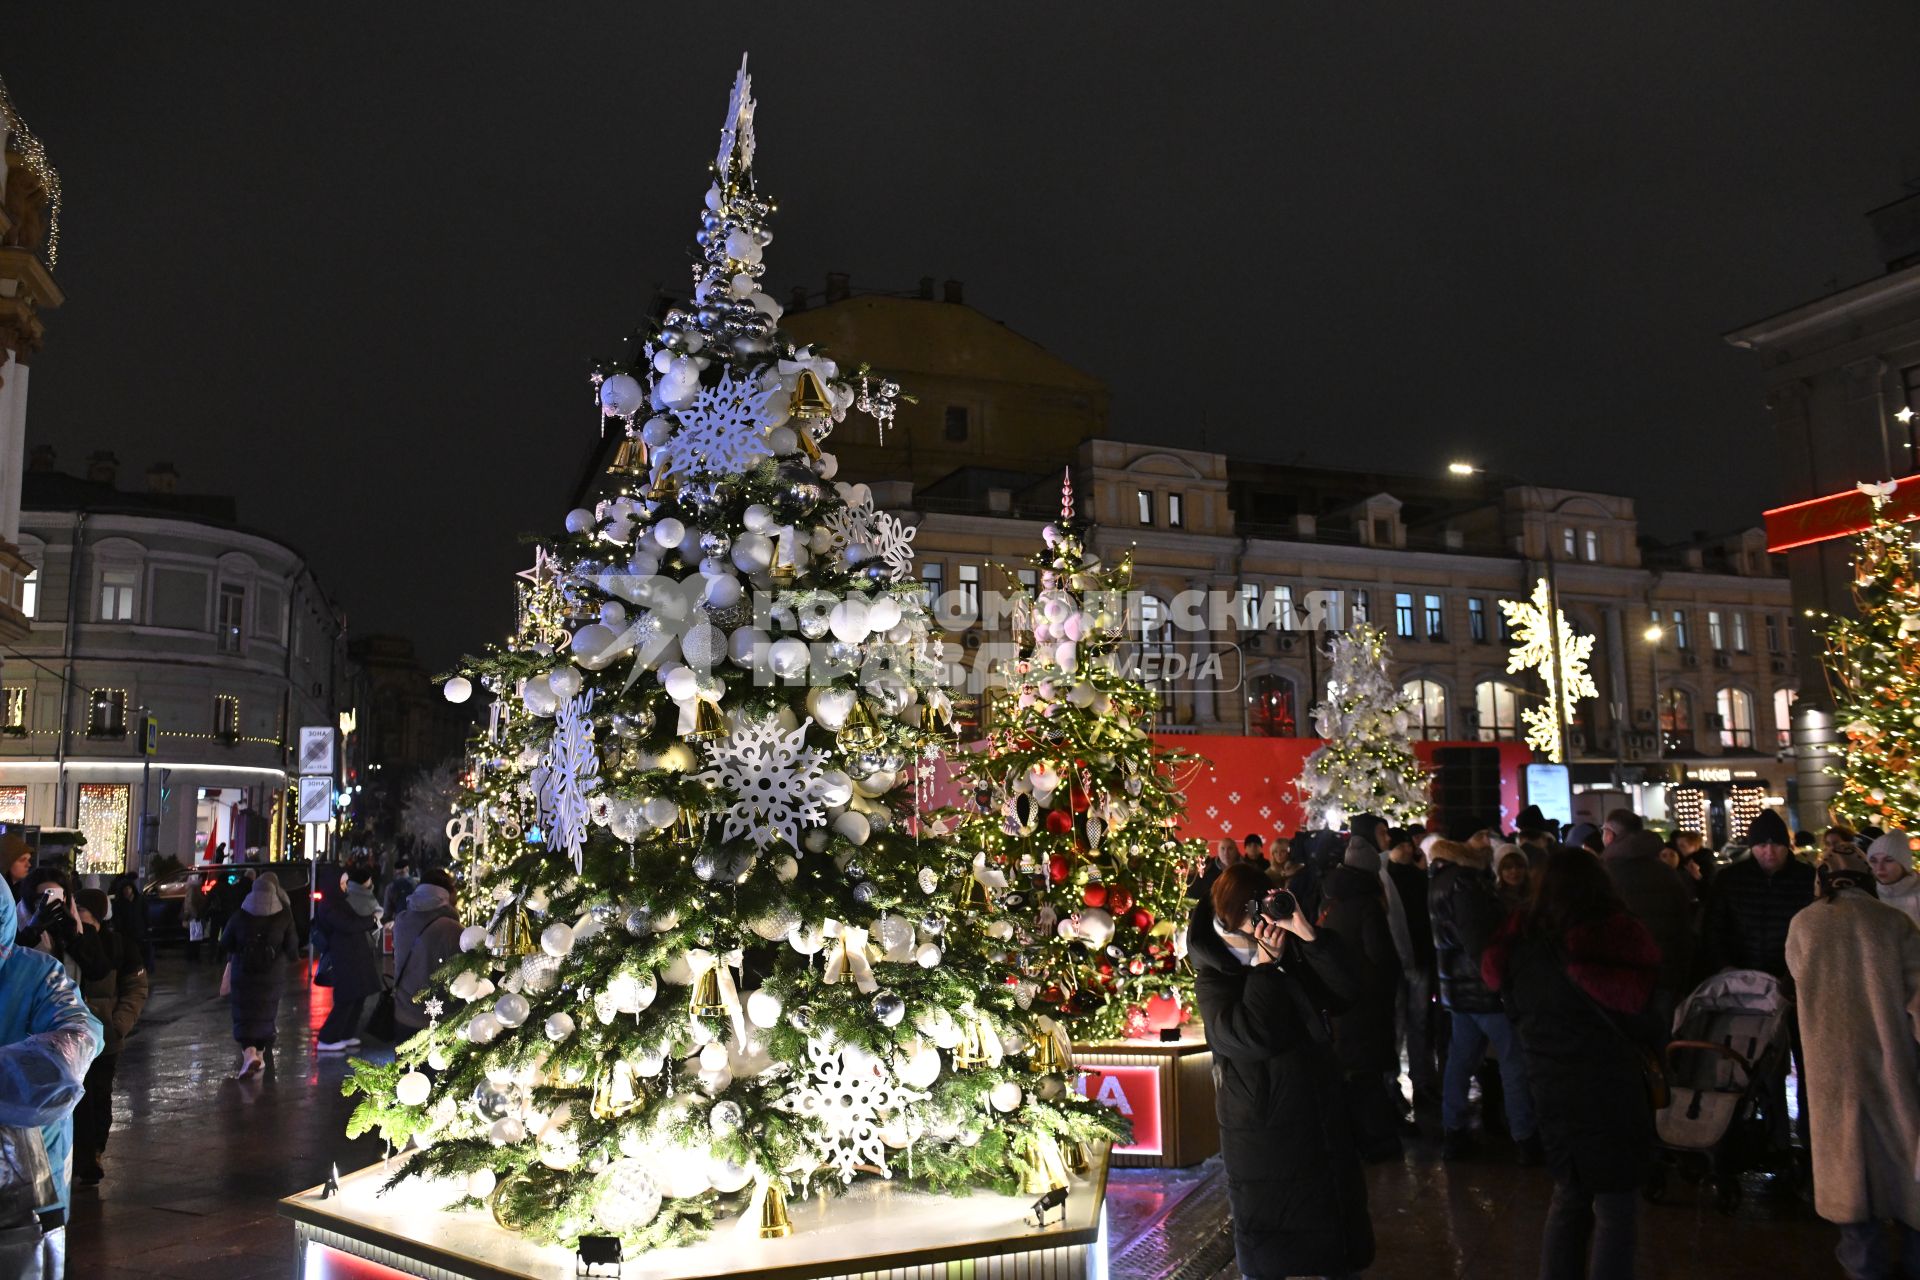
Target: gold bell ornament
614	1094
663	489
774	1222
971	1051
708	723
809	404
706	995
861	732
631	458
516	935
1046	1057
1041	1166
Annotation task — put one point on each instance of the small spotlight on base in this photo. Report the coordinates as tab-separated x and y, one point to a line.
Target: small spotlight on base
1044	1207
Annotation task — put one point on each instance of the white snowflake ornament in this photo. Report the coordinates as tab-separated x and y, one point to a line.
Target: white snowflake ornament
776	779
569	771
892	541
723	430
851	1094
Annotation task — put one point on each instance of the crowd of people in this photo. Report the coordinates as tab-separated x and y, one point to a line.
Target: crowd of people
1548	964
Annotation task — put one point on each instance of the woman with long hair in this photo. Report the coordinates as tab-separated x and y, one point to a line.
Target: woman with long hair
1576	972
1267	983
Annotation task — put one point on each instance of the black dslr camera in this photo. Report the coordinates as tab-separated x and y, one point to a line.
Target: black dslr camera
1272	907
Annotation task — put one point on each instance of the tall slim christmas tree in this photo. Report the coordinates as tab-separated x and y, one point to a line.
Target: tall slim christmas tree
1873	671
1366	764
709	963
1072	829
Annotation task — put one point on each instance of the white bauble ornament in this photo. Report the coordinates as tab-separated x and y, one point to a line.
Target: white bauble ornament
848	621
1094	925
590	641
928	956
564	682
437	1058
621	395
876	784
763	1009
686	1174
679	383
557	939
1006	1096
472	938
628	1199
559	1026
853	826
883	614
830	705
484	1029
413	1089
807	939
480	1183
748	646
650	1063
752	552
630	993
579	520
788	658
728	1177
511	1008
713	1056
669	533
660	812
919	1066
538	698
835	788
457	690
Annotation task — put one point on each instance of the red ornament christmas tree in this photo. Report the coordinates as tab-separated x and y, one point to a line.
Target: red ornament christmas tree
1078	873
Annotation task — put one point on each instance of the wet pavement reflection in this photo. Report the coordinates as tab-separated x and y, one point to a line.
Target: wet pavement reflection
197	1161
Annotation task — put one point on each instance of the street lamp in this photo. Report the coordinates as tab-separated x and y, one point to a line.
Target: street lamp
1653	634
1463	468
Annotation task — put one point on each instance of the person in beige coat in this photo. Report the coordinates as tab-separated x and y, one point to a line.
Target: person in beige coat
1856	963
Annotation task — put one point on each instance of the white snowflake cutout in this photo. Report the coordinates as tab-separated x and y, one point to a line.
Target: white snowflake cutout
893	542
570	769
850	1093
852	523
775	779
723	430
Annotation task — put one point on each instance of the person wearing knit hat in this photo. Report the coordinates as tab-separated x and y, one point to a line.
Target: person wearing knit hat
1891	859
1856	964
1767	828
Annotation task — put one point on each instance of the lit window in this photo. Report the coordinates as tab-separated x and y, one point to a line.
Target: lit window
1144	498
1436	611
1783	700
13	712
968	585
1569	542
1275	712
1740	633
1426	708
1497	706
1736	718
102	818
1593	544
1680	629
1403	613
30	593
1030	579
226	717
1715	635
116	594
107	713
1176	511
1250	606
1477	619
1155	635
1281	604
1676	721
13	804
233	617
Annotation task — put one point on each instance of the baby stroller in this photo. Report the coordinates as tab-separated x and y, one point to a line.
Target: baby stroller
1729	1044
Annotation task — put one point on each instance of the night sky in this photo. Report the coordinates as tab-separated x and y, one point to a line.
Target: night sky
351	262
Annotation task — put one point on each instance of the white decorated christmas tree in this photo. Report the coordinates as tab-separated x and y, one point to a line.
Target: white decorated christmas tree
1366	763
708	963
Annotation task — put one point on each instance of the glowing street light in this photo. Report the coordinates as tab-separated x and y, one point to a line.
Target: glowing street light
1463	469
1653	633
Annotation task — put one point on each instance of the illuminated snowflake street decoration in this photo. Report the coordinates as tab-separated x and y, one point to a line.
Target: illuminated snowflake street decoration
570	770
1535	623
724	430
893	543
851	1095
775	779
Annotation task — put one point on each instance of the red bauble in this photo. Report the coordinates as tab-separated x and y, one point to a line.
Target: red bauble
1059	821
1050	993
1094	895
1142	919
1135	1023
1136	966
1057	868
1106	968
1163	1011
1077	798
1119	899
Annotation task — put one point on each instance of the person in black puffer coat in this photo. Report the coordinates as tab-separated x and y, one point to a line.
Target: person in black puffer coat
1355	909
1577	971
1299	1196
257	943
1465	914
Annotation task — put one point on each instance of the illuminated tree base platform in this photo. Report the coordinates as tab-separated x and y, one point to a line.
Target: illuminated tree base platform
1165	1087
876	1231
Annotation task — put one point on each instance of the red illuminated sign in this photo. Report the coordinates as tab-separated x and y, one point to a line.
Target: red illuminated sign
1837	515
1135	1093
324	1263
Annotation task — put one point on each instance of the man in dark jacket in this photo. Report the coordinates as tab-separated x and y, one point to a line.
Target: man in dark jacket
425	935
1355	910
1465	914
1656	896
1416	991
1536	836
353	963
1748	910
116	994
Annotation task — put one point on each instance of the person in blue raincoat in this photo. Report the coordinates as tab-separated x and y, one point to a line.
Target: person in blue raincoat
48	1038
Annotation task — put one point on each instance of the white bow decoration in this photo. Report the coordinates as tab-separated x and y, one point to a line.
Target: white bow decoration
849	958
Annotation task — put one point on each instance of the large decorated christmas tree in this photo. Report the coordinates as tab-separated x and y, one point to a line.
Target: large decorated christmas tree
1873	670
710	964
1366	763
1076	863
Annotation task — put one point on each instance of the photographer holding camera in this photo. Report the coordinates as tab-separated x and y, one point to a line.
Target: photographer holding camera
1267	984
